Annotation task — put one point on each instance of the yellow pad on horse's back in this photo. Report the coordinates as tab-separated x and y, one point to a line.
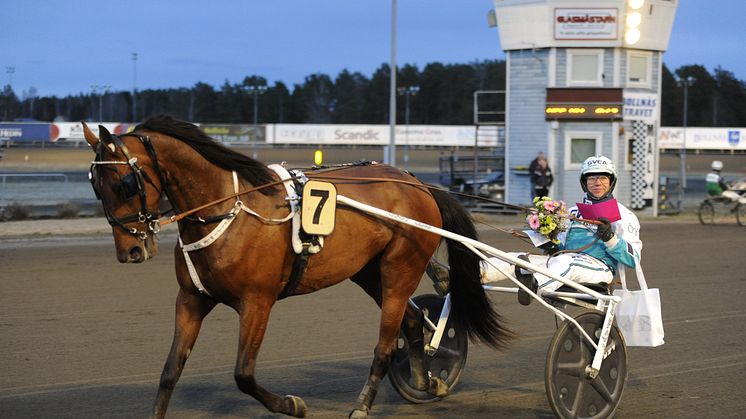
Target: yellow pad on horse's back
319	207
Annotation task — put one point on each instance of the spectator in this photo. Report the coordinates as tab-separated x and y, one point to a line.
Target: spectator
531	168
541	177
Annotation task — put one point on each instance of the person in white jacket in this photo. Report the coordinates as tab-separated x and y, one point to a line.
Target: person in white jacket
587	253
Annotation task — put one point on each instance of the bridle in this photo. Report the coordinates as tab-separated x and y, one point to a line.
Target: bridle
132	184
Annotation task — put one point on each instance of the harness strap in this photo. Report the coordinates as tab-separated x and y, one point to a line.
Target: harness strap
299	268
219	230
214	234
208	240
192	271
293	199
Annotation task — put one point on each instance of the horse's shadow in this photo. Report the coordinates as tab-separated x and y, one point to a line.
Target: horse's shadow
330	390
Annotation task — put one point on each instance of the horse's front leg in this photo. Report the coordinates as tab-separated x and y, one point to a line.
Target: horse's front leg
190	311
254	318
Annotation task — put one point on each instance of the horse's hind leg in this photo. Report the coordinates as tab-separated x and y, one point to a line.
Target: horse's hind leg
190	311
412	329
254	318
369	280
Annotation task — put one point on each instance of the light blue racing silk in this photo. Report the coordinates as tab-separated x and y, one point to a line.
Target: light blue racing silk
624	247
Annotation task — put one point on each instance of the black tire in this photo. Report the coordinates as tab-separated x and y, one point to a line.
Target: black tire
569	390
741	214
706	212
447	363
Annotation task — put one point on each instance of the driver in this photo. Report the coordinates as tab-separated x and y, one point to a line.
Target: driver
587	253
716	185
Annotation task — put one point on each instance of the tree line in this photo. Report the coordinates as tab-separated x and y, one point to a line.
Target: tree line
445	97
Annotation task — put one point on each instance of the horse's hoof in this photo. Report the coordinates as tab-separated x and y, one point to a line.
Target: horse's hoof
295	406
358	414
438	387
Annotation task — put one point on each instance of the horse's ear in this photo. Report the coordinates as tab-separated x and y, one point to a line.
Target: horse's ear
105	134
90	137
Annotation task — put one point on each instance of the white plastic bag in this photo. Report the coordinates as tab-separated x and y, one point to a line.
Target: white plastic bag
638	316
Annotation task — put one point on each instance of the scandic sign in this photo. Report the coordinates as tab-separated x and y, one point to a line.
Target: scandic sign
378	135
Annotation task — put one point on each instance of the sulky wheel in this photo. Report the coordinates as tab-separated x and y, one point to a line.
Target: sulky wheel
741	214
569	390
706	212
447	362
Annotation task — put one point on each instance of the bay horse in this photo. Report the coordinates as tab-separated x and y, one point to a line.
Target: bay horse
249	264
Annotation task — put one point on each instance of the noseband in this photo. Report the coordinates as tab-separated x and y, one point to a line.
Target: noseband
132	184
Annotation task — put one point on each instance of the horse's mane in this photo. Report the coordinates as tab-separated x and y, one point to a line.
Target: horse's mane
252	170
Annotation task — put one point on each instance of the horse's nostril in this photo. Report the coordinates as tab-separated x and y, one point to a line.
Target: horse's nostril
136	254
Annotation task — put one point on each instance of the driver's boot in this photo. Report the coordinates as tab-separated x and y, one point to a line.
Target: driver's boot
526	279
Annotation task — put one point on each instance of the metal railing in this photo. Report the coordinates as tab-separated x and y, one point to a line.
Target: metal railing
33	192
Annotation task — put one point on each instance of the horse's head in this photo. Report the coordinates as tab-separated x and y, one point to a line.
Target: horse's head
129	183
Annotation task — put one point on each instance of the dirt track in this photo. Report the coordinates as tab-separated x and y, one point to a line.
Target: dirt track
85	337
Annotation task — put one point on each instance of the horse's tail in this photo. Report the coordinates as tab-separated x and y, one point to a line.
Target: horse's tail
470	307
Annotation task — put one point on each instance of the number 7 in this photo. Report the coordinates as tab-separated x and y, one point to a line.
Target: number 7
324	195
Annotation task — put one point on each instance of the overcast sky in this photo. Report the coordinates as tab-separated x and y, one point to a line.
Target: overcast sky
63	47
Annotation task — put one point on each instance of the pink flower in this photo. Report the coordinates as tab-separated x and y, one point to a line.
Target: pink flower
533	221
550	205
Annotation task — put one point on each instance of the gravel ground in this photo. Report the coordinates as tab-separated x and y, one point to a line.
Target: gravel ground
39	228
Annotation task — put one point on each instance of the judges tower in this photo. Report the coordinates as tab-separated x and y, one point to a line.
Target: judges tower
584	78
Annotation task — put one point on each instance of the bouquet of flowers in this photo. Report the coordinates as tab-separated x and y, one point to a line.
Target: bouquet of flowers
548	217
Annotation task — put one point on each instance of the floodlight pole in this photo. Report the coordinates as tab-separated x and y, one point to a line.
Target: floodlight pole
391	157
10	70
134	87
255	90
102	89
685	82
407	92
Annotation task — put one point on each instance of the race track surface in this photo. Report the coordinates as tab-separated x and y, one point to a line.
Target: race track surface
83	336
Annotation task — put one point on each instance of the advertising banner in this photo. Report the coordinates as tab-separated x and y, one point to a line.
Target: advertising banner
232	133
716	138
415	135
586	24
670	137
640	107
23	132
73	131
702	138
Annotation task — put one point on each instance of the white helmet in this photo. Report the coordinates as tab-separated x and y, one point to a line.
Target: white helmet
598	165
717	165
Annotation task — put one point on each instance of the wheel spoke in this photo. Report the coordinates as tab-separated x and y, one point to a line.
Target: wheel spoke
587	345
578	398
599	385
448	353
573	369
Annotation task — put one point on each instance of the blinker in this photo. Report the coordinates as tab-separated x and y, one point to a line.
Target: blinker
129	187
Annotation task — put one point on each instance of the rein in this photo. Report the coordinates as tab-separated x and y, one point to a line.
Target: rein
154	224
180	216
